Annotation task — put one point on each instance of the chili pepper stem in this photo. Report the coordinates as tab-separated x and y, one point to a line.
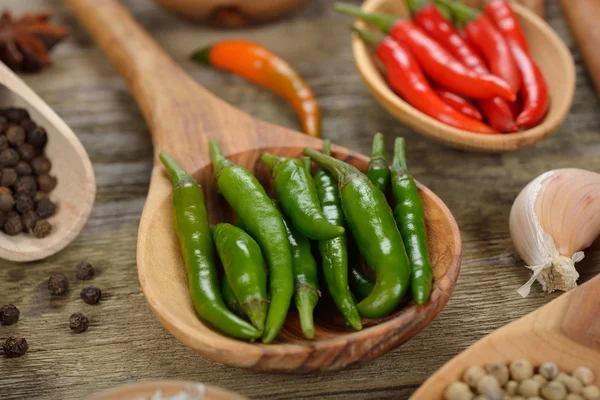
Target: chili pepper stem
217	157
399	162
463	13
202	55
378	150
384	22
306	300
270	160
178	174
256	310
366	36
326	147
416	5
342	171
307	164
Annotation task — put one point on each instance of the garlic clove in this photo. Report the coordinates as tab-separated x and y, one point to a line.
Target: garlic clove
553	218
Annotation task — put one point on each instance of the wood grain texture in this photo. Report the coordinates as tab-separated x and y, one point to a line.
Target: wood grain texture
582	17
76	188
549	51
169	100
126	343
167	389
566	331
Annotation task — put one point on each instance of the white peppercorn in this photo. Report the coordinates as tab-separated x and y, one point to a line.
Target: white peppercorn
585	375
518	398
489	387
573	396
520	370
591	392
554	391
511	387
540	379
472	375
529	388
458	391
534	398
573	385
498	371
549	370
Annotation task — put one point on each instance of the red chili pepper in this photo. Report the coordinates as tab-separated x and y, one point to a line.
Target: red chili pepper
406	78
496	110
459	103
501	12
436	61
535	95
488	41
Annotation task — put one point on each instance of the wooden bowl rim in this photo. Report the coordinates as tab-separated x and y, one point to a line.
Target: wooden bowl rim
459	137
221	344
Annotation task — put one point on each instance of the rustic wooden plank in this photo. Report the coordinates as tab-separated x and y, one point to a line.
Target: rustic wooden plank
126	343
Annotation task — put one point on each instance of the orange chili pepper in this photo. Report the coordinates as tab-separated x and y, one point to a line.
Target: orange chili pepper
261	66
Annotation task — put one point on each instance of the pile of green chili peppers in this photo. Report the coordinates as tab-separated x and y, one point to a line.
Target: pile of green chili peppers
340	210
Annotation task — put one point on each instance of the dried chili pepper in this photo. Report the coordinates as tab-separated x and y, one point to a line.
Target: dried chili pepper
261	66
405	77
435	60
434	22
535	95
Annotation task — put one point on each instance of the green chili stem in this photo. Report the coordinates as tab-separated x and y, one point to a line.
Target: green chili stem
326	147
202	55
463	13
338	168
177	173
307	164
366	36
382	21
217	157
444	10
270	160
305	303
399	162
416	5
378	150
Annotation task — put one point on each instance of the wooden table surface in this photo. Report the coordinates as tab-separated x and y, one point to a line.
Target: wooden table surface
125	342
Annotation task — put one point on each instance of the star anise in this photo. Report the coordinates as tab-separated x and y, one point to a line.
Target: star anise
25	42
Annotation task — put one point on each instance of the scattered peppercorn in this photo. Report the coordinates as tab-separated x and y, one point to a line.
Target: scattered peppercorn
91	295
7	201
9	157
46	183
3	142
23	168
78	323
13	225
29	219
27	185
9	177
15	114
9	314
27	152
42	229
39	196
15	347
84	271
41	165
58	284
16	135
45	208
37	137
23	203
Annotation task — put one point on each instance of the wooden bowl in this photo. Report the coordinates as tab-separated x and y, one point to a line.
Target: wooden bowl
334	346
548	50
167	389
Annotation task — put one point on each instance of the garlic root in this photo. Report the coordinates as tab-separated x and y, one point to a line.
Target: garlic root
553	218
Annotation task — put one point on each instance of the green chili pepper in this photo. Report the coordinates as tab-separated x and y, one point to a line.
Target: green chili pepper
263	221
306	278
360	284
298	198
372	224
334	255
244	269
230	300
193	231
379	170
410	218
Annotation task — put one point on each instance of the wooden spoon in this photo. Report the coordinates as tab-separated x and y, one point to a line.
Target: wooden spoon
182	117
565	331
76	189
167	390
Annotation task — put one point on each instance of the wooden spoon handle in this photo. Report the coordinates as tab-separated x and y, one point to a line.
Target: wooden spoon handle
582	17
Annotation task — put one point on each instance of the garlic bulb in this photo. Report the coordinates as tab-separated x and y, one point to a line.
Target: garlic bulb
553	218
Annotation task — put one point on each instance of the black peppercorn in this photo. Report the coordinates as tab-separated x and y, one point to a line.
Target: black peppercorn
9	177
78	323
29	219
58	284
42	229
9	157
15	135
39	196
9	314
28	125
16	114
23	168
45	208
46	183
27	152
41	165
3	218
23	203
91	295
13	225
3	142
84	271
15	347
37	137
27	185
7	201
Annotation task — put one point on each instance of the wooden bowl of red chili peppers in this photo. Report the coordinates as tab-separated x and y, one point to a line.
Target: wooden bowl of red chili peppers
492	79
